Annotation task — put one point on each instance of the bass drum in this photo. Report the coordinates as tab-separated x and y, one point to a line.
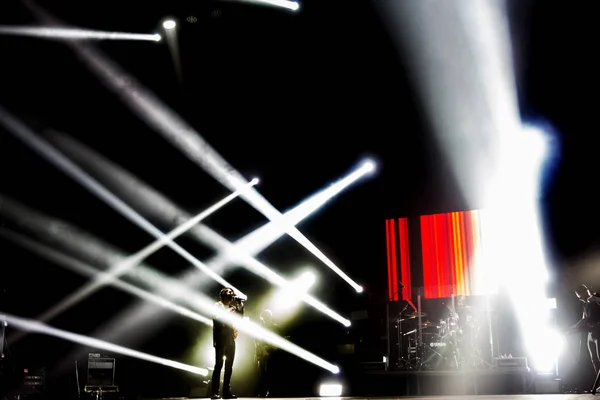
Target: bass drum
439	353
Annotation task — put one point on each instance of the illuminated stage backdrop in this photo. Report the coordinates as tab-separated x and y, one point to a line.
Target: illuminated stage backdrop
449	244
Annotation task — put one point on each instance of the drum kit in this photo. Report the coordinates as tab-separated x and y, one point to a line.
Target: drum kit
449	343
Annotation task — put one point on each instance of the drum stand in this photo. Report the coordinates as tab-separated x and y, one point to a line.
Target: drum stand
402	363
422	347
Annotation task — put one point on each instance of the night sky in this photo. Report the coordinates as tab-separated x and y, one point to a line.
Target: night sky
295	99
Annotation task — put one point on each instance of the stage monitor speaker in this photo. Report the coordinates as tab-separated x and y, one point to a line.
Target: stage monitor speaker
100	371
511	363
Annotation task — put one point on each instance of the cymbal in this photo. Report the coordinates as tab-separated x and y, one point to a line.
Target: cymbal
415	315
428	324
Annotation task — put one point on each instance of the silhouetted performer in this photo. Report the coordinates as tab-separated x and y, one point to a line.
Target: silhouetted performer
264	351
467	331
224	336
589	325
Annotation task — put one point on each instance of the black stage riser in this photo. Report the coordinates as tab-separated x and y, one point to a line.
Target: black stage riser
436	383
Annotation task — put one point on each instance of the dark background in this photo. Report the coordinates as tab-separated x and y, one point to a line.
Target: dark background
295	99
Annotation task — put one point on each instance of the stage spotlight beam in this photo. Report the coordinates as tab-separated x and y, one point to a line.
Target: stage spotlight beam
289	5
181	135
156	206
122	267
200	302
73	34
44	149
38	327
81	268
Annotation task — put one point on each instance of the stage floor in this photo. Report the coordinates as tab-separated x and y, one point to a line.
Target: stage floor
481	397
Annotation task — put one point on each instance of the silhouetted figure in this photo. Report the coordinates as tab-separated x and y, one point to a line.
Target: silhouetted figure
264	351
468	330
224	335
589	325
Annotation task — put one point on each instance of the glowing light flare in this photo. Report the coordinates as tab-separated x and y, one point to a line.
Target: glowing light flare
547	350
56	158
38	327
169	24
330	390
291	296
307	279
74	34
522	161
368	166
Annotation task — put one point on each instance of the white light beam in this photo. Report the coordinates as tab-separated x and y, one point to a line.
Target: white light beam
155	279
290	5
143	197
74	34
181	135
56	158
38	327
87	270
122	267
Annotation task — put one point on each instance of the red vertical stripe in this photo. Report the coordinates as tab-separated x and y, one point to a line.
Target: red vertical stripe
435	254
433	259
470	251
426	255
447	263
464	240
389	258
452	249
394	261
405	259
